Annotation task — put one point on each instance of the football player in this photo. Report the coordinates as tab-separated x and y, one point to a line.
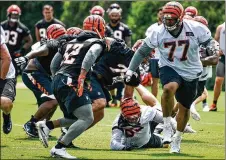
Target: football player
154	68
191	11
43	24
220	69
178	41
7	84
18	37
70	88
120	31
37	77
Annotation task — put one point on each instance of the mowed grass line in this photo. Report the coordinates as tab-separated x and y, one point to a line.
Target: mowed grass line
207	143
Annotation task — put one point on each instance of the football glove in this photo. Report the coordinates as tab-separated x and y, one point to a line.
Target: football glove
132	78
80	88
21	62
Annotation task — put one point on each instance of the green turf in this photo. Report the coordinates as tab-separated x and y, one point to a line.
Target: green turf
207	143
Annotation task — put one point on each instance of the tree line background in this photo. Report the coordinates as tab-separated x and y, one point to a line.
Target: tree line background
138	15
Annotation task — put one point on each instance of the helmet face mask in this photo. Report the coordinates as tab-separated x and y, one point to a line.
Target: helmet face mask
13	13
133	120
171	23
14	17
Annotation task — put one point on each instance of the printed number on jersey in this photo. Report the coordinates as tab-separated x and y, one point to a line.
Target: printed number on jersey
11	37
71	50
172	45
42	33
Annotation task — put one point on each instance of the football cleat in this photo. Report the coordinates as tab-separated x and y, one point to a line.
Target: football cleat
194	114
167	134
61	153
213	107
43	132
188	129
175	144
30	129
7	123
205	107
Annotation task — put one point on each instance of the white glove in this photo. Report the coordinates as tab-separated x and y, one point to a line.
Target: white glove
21	62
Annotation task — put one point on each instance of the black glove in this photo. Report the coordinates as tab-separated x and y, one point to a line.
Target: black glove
19	52
132	78
21	62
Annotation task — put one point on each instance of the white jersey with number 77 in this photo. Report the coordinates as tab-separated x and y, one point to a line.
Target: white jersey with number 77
180	52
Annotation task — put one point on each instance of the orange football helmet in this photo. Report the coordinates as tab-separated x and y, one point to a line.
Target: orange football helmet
191	11
74	31
95	23
55	30
97	10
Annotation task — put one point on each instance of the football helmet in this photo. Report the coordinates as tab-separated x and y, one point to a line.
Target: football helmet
114	6
13	13
74	31
173	13
95	23
130	111
97	10
192	11
55	30
201	19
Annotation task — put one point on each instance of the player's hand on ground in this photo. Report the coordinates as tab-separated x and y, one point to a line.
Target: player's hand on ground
81	80
137	44
21	62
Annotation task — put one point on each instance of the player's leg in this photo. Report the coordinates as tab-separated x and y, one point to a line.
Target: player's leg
220	74
120	87
154	69
185	95
170	81
7	96
40	85
113	103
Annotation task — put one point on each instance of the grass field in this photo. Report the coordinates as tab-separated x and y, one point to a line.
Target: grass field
207	143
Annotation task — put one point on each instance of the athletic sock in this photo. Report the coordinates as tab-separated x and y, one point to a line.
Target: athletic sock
50	125
204	101
60	145
215	102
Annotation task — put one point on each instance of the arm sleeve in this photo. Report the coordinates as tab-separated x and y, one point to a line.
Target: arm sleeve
91	56
139	55
116	139
55	63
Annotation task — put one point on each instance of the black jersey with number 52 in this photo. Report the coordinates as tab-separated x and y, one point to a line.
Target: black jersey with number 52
74	52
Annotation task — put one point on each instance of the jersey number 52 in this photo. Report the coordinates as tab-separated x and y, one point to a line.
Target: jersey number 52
71	50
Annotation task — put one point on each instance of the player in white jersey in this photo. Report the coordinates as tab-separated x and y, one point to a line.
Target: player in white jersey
178	41
220	69
7	84
154	68
201	91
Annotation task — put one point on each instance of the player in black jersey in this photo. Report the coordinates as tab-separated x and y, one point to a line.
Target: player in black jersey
98	10
43	24
120	31
70	88
37	77
18	37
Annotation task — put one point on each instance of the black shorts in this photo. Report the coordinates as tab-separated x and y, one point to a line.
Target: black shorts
98	90
200	89
187	90
40	84
220	69
8	88
67	96
154	68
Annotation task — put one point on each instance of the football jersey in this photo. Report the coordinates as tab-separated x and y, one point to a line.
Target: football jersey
222	38
153	26
113	64
136	136
11	72
14	35
120	31
42	25
181	52
74	52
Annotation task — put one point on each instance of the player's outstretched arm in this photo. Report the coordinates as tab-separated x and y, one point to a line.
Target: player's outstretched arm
116	140
5	60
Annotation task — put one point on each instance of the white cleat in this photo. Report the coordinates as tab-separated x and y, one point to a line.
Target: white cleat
61	153
43	132
195	115
175	144
205	108
167	134
188	129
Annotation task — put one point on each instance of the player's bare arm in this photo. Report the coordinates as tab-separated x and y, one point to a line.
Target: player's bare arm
28	42
37	34
5	61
